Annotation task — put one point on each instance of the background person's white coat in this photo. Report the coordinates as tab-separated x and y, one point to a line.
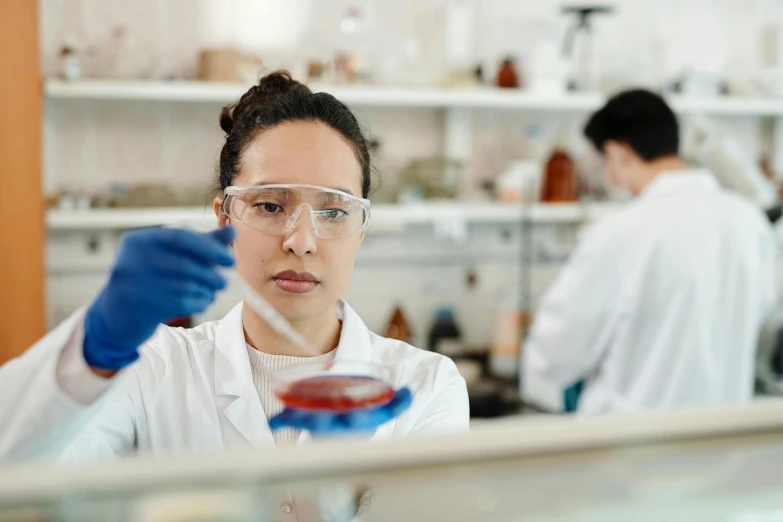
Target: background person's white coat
662	303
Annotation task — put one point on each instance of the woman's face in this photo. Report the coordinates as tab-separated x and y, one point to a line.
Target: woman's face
302	153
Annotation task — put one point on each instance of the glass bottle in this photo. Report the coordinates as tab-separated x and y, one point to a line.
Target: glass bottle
507	77
398	326
560	184
445	336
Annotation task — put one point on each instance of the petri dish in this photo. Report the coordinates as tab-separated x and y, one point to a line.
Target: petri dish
333	386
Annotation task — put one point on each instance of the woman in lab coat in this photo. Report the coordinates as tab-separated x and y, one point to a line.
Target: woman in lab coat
110	380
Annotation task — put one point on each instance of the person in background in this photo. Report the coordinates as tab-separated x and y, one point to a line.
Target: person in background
294	175
662	302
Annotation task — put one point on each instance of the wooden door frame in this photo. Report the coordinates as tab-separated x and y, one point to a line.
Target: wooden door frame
22	219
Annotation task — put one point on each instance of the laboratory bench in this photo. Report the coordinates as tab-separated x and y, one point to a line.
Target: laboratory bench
697	465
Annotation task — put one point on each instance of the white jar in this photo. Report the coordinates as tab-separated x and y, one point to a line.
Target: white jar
70	65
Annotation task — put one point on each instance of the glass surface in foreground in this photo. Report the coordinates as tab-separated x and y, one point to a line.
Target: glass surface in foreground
696	476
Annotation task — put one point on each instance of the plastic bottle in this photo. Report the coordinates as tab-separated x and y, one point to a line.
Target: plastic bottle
70	63
398	327
445	336
511	320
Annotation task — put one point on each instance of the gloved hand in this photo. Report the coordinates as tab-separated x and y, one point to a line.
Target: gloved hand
359	421
160	274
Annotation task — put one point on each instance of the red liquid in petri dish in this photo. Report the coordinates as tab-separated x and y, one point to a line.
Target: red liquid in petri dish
337	393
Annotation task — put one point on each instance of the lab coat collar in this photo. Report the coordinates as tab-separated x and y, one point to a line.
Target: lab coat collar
676	181
233	376
354	342
232	367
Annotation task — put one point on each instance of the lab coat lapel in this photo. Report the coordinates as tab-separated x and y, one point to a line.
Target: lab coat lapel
234	381
355	344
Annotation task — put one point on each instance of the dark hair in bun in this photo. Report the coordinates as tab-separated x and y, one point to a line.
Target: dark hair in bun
277	99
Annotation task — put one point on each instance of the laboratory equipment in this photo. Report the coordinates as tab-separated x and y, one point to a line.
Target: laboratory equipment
355	62
445	336
229	66
699	84
334	386
70	61
434	177
507	77
579	47
459	48
511	322
268	313
735	169
560	184
520	181
398	326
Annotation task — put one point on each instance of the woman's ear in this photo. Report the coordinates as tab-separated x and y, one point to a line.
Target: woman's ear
222	218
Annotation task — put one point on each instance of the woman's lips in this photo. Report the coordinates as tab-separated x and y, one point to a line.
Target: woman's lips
295	283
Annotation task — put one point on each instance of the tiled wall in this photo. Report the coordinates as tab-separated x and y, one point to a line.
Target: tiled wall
91	144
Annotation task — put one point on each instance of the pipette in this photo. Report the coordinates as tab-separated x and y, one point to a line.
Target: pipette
268	313
355	385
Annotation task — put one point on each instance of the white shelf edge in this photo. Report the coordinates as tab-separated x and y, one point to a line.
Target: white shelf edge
194	91
379	96
387	217
118	219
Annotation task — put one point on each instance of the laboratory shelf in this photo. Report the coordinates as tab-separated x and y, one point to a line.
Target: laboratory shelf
388	217
380	96
113	219
368	96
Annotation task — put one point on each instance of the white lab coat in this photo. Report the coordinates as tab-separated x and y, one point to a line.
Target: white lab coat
661	304
191	391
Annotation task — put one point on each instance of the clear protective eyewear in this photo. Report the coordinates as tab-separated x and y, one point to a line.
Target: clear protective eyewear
275	209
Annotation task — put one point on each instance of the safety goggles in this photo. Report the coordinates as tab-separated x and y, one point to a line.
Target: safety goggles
275	209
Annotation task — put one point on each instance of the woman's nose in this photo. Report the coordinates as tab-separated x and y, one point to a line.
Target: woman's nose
300	238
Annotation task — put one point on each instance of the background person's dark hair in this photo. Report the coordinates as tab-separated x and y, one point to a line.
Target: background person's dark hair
279	99
640	119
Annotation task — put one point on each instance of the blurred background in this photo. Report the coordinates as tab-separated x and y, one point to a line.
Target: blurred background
473	108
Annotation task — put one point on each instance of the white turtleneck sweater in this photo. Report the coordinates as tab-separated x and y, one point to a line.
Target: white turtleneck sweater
262	365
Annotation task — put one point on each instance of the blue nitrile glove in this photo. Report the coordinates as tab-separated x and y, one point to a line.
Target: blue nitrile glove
359	421
160	274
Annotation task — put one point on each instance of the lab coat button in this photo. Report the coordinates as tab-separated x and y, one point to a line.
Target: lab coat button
287	508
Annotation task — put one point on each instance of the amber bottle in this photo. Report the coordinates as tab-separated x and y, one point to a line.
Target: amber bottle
507	77
398	327
560	184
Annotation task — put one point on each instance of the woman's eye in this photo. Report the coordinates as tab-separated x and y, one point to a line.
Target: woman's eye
335	213
268	208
